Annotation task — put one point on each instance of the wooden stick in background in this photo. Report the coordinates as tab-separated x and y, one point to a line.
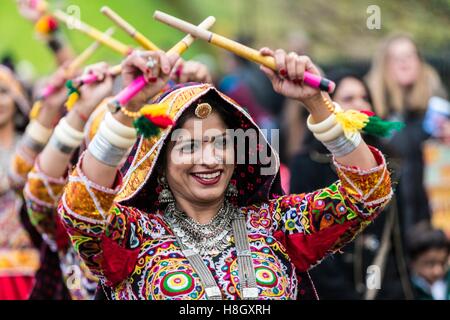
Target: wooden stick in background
139	83
76	63
123	97
239	49
93	33
128	28
87	53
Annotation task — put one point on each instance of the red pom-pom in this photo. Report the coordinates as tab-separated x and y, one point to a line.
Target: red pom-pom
52	24
160	121
368	113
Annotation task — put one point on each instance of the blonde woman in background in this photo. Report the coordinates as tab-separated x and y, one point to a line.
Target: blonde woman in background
401	84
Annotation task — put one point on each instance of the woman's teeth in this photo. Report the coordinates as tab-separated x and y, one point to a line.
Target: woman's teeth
207	175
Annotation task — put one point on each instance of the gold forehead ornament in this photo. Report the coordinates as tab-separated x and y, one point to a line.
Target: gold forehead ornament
203	110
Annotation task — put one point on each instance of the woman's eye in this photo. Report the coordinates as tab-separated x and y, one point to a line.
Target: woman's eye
348	99
189	147
220	142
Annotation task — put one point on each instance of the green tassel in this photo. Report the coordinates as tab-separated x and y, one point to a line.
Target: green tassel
71	87
380	128
145	127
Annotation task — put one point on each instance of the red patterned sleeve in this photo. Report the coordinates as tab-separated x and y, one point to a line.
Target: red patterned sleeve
106	235
319	223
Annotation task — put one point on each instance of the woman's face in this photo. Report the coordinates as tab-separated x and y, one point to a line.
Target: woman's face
403	62
6	106
351	94
200	160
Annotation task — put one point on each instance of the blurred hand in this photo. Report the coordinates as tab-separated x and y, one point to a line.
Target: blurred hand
157	73
28	12
92	94
54	103
191	71
288	78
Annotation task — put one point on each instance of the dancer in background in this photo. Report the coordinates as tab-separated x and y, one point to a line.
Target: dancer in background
19	259
401	84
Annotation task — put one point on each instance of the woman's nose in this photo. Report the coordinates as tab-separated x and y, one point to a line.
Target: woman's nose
209	156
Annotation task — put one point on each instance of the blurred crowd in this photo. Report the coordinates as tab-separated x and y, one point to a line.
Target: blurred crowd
404	254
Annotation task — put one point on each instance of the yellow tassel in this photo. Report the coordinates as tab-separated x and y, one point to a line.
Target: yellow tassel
351	121
42	26
154	110
37	106
71	100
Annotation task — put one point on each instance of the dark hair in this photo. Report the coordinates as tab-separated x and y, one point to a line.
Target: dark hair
339	74
219	106
423	237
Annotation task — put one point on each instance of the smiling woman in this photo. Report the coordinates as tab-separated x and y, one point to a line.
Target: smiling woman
188	217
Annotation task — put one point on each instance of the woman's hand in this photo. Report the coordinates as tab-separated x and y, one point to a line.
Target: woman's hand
91	95
53	104
191	71
155	66
29	13
288	80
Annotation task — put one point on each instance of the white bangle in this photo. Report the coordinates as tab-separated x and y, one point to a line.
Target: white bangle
331	134
119	128
38	132
114	138
65	138
324	125
78	135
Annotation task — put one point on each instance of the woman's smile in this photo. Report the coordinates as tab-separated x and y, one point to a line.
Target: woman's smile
207	178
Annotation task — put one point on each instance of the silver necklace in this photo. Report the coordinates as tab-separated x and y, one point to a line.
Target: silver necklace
205	239
197	239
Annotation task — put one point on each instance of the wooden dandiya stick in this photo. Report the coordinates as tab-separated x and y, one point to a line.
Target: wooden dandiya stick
139	82
94	33
128	28
87	53
75	64
239	49
123	97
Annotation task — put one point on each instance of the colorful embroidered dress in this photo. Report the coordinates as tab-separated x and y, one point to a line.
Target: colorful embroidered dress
122	236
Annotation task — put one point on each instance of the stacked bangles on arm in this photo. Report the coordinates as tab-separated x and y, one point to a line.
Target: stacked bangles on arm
332	135
66	138
112	141
36	136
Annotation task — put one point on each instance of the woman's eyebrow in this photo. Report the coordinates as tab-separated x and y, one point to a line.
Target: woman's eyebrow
181	140
217	136
205	139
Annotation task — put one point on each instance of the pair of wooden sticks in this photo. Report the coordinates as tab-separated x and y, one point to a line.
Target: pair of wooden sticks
200	31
